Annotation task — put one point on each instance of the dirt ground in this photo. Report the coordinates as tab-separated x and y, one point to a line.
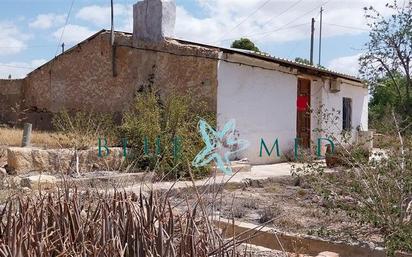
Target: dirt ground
295	209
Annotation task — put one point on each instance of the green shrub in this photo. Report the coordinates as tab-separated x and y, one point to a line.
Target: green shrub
170	121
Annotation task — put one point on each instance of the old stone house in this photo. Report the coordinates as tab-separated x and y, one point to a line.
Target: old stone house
267	96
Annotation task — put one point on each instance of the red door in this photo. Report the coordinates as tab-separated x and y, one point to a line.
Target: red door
303	113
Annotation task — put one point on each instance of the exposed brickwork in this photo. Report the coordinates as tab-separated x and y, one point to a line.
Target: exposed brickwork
82	78
10	97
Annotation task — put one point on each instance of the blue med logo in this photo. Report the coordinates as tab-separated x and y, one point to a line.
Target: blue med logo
220	145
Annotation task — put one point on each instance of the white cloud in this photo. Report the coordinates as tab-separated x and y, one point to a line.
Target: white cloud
100	15
46	21
190	28
12	40
38	62
19	69
277	21
73	33
347	64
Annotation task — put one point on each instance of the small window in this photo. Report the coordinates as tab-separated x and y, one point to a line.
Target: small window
347	114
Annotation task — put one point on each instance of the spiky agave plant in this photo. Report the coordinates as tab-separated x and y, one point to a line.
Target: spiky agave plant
70	223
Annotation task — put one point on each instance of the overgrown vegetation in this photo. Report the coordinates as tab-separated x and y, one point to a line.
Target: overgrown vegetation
83	129
386	65
13	137
378	191
120	224
162	132
375	191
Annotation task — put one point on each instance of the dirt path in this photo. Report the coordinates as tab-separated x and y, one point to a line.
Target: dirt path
295	209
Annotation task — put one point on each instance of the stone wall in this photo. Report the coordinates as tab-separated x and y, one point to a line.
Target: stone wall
10	97
23	160
82	78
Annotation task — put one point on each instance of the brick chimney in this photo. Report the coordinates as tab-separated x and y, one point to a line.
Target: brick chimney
153	20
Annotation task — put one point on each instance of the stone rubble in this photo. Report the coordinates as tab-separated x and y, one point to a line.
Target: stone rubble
21	161
41	182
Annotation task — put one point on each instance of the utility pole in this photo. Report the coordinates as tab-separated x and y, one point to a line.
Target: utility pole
312	38
320	35
112	43
63	47
112	25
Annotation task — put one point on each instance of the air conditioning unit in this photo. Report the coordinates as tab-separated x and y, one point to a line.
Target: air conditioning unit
335	85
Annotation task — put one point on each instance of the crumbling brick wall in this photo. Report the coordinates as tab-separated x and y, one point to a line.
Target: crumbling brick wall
10	98
82	78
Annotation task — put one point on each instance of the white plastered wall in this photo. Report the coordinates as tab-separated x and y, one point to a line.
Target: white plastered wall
333	104
263	103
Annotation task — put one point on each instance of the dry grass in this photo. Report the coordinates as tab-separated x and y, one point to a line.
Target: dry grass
13	137
73	223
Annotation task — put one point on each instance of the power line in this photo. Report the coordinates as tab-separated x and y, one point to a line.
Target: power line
32	46
253	13
344	26
283	12
17	67
306	13
277	16
260	38
301	16
267	32
64	27
244	20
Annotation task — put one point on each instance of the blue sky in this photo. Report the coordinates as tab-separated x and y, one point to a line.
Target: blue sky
30	32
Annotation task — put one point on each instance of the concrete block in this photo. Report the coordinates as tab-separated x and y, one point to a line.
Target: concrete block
365	139
153	20
328	254
19	160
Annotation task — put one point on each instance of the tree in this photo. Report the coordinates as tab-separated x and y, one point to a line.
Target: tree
245	43
387	61
302	60
384	100
307	62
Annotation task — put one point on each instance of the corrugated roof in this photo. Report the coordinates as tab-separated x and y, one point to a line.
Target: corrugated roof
277	60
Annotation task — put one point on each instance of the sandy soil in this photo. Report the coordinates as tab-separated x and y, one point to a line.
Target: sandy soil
295	209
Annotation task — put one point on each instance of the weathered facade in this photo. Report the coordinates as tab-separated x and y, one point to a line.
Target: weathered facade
263	94
11	97
90	77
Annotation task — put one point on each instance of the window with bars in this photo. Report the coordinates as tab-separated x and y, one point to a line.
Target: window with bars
347	114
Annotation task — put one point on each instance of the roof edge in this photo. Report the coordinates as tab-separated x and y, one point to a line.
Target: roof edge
68	50
223	49
278	60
